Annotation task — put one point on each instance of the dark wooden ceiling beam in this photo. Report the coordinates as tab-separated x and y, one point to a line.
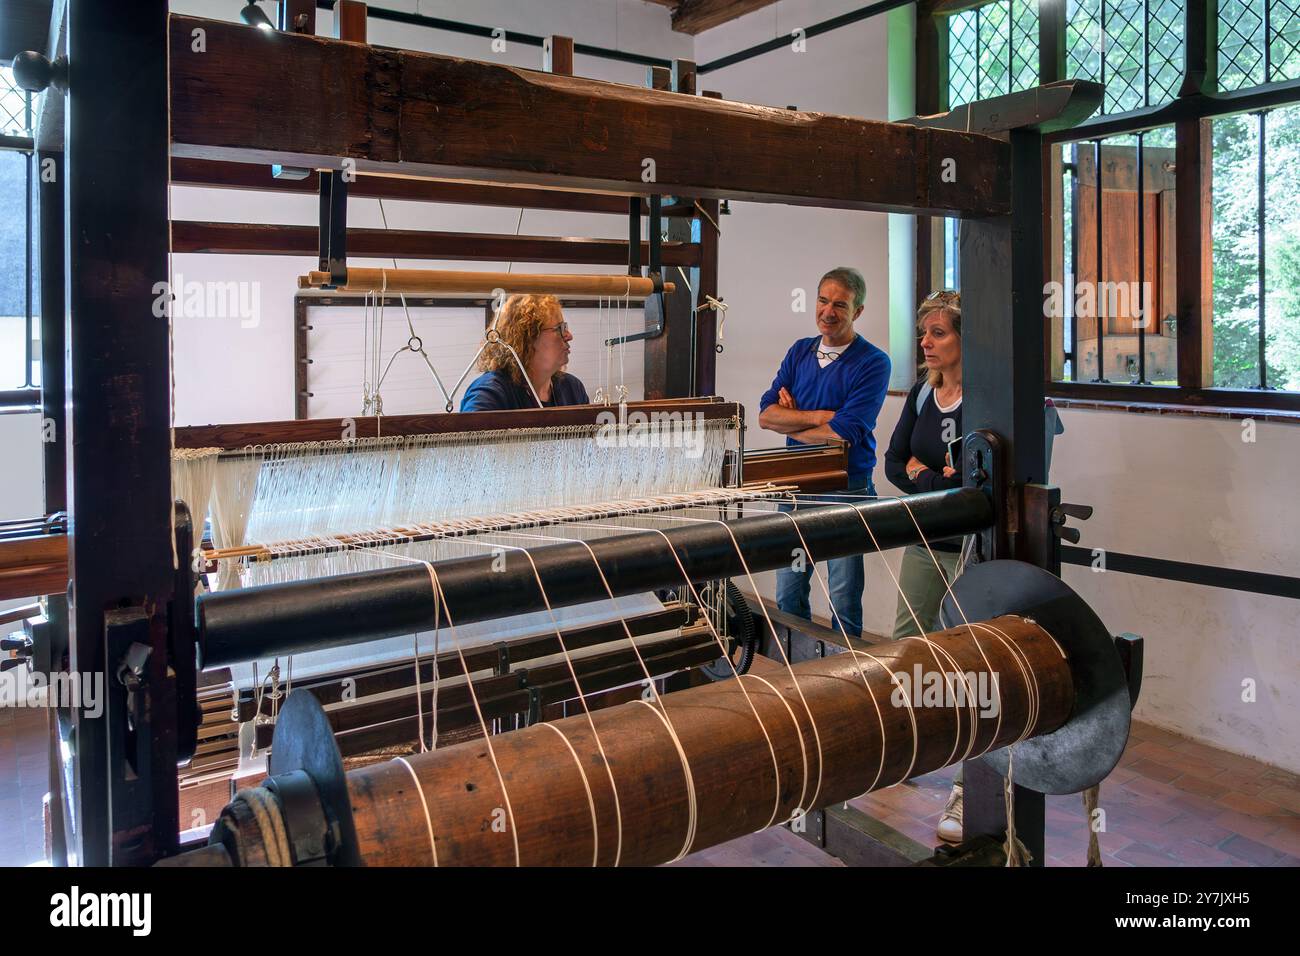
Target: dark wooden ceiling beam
696	16
309	101
240	238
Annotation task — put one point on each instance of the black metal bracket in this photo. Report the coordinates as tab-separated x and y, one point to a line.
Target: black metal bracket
334	227
1131	654
304	743
313	835
503	657
654	306
140	714
983	468
182	636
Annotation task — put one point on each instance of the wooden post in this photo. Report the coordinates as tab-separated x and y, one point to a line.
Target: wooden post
1194	245
297	16
350	21
557	55
119	471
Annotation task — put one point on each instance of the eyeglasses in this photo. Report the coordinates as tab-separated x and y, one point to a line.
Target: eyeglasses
562	328
943	295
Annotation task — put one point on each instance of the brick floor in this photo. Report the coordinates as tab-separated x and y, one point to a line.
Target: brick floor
1170	802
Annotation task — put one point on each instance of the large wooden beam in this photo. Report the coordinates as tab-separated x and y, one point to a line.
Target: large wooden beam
241	238
696	16
308	101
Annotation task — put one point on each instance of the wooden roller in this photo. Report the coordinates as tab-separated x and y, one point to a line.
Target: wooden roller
847	734
452	282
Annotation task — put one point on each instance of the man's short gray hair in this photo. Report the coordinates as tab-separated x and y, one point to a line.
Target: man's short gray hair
851	279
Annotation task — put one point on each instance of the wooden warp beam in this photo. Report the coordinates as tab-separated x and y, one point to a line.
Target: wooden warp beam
729	758
236	436
459	282
399	111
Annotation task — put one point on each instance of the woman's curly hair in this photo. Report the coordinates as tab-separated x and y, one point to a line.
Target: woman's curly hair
519	323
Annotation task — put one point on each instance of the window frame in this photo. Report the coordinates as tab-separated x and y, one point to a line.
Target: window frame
1197	103
26	396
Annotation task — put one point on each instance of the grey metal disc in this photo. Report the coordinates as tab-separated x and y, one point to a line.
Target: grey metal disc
304	740
1088	746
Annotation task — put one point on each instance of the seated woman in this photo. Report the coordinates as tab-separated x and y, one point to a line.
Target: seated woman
534	326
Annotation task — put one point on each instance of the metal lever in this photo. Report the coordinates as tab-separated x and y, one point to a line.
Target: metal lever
21	648
1064	511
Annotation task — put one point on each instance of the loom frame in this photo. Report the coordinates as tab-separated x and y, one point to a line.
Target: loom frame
127	595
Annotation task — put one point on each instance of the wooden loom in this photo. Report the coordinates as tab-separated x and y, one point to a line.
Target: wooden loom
424	116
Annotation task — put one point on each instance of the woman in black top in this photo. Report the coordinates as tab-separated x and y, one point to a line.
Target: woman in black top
922	452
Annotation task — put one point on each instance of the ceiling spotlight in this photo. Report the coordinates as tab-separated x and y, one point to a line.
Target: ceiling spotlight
252	15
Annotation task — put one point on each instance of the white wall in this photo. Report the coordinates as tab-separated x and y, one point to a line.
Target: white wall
1190	489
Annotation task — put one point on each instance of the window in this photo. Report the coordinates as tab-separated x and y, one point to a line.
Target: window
18	354
15	106
1122	325
1259	42
992	50
1114	262
1257	250
1132	47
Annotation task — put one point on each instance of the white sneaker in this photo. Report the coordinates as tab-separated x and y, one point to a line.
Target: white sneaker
949	829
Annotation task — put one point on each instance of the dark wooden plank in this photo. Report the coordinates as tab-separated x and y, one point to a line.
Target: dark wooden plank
350	21
298	16
1003	326
430	115
119	494
333	429
300	357
557	55
242	238
53	331
696	16
861	840
1051	41
213	174
1194	241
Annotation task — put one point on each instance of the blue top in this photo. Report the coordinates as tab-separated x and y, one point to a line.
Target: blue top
497	391
853	386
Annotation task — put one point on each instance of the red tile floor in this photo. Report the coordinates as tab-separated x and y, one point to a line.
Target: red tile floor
1170	802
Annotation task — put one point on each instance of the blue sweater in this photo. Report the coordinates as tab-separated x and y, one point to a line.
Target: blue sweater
853	386
493	391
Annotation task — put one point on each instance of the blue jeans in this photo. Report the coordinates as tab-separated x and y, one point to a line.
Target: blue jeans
845	578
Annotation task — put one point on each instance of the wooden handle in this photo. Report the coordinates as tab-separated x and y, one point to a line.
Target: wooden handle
468	283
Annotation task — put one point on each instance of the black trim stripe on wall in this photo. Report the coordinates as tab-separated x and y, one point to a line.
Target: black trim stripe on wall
1254	582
